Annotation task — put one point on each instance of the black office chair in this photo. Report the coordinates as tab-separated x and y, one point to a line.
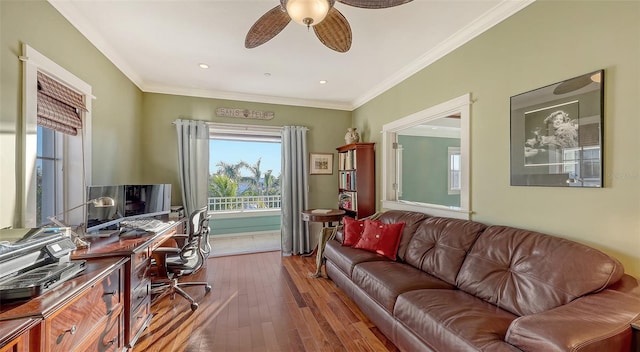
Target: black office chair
171	263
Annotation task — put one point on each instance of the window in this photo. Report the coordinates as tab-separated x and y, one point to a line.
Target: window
56	165
453	179
244	168
585	173
49	174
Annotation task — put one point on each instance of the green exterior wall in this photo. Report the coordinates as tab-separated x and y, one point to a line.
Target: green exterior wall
242	225
425	165
546	42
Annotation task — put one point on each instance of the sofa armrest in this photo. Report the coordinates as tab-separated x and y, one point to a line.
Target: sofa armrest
597	322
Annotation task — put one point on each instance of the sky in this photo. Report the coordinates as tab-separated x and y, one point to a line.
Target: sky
232	152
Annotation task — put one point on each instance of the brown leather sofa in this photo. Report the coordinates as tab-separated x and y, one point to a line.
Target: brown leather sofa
463	286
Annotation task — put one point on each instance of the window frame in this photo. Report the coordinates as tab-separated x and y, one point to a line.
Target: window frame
247	133
76	150
460	105
452	151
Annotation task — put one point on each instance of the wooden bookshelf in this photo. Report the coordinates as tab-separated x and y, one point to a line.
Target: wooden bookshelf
356	179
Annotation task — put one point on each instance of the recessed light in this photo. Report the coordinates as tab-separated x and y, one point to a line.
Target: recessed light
205	66
267	74
323	82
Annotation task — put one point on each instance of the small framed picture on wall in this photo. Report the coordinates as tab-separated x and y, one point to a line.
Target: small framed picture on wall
321	163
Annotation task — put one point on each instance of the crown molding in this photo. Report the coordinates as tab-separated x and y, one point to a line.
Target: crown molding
69	11
497	14
255	98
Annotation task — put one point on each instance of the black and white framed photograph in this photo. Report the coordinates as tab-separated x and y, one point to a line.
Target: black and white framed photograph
556	134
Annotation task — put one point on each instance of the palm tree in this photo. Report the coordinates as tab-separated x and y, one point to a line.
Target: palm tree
230	170
271	183
255	187
222	186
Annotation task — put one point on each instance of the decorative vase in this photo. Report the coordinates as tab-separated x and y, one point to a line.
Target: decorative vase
352	136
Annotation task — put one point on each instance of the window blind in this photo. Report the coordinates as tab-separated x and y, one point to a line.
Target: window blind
59	106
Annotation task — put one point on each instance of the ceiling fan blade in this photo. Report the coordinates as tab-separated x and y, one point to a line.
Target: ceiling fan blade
267	27
334	31
374	4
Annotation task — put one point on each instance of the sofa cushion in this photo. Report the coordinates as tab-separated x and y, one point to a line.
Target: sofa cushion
385	281
440	245
526	272
411	221
352	231
380	238
345	258
453	320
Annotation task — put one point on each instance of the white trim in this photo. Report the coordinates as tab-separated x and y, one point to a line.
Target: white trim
460	105
245	129
255	98
497	14
75	175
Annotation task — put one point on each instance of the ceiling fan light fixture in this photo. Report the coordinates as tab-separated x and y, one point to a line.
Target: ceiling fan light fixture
308	12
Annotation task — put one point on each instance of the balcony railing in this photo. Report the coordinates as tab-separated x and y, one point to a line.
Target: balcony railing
244	203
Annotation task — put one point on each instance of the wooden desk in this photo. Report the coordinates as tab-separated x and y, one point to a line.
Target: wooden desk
137	275
81	314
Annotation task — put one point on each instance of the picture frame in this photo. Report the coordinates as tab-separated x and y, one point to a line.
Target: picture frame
320	163
557	134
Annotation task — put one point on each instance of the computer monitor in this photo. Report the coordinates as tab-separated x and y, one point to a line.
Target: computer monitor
131	202
147	200
104	217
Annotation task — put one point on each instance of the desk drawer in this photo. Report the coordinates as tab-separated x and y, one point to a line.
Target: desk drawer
139	293
109	339
139	317
140	275
140	258
87	315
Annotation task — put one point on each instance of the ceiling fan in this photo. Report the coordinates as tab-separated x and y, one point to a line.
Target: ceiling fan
330	26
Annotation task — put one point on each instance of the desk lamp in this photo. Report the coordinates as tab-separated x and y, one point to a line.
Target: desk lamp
100	202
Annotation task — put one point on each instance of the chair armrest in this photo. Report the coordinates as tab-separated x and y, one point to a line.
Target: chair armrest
167	250
597	322
180	238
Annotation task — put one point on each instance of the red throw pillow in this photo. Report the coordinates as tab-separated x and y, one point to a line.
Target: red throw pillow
381	238
352	230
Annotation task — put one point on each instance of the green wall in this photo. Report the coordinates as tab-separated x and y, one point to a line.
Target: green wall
425	173
545	43
133	140
160	158
116	111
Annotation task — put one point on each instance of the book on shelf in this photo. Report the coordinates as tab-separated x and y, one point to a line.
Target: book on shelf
347	160
348	201
347	180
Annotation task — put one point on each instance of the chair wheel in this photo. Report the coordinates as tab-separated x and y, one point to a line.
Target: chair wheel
194	306
207	289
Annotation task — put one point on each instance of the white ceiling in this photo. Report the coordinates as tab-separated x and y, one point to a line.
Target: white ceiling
158	44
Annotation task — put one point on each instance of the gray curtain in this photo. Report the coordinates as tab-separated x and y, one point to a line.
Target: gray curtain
294	184
193	163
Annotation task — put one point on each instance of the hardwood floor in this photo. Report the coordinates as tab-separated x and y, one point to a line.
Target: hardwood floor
261	302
